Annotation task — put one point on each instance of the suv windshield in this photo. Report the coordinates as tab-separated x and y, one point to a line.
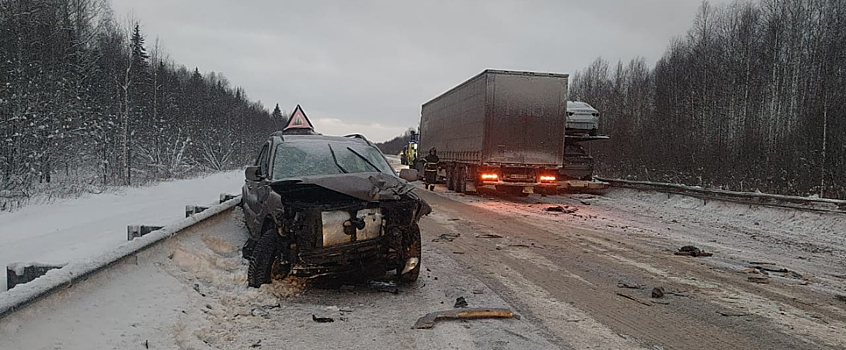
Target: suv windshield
316	158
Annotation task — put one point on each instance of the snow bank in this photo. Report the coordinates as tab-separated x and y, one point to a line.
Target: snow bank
54	280
750	195
74	229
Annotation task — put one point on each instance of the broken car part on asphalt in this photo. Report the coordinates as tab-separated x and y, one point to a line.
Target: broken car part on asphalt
428	321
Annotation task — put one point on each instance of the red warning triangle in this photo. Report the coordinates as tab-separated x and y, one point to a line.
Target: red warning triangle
298	121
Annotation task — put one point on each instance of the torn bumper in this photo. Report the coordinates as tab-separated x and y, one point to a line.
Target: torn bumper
410	264
344	258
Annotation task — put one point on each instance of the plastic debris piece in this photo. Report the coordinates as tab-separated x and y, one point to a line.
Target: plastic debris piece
428	321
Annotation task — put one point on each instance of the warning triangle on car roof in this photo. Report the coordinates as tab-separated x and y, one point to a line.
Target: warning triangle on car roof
298	123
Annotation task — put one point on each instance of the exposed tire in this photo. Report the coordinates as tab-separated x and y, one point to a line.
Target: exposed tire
266	253
413	249
247	249
460	180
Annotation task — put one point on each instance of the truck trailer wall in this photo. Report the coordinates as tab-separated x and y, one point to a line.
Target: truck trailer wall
527	119
455	122
499	117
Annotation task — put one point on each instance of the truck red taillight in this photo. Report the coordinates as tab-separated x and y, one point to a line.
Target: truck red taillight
490	177
547	178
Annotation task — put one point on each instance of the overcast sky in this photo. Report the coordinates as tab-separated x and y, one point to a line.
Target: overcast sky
367	66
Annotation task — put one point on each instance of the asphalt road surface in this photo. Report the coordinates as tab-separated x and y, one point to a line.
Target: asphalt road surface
577	281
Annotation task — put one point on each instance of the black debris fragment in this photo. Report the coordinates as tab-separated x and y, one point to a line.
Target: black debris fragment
197	289
733	313
693	251
322	319
658	292
256	344
447	237
623	284
460	302
633	299
770	268
566	209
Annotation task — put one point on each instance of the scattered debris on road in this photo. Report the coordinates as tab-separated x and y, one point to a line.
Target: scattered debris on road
428	321
197	289
690	250
658	292
633	299
460	302
840	297
447	237
768	267
478	291
759	279
256	344
520	245
733	313
623	284
566	209
322	319
488	235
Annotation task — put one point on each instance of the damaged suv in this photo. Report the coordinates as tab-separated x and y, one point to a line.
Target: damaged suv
324	205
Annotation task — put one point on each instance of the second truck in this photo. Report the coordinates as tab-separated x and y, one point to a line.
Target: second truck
499	128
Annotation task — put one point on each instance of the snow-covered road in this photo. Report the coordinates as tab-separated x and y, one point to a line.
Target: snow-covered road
80	228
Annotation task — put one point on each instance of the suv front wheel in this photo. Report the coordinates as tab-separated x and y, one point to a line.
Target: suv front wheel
412	249
266	254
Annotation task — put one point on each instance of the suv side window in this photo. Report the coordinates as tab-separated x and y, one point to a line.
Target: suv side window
262	160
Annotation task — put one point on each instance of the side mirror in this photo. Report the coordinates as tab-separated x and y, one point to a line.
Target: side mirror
409	175
253	173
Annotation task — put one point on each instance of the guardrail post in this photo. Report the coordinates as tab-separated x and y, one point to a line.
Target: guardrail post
135	231
19	273
193	209
225	197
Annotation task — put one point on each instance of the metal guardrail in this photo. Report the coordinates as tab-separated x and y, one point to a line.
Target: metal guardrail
62	278
757	198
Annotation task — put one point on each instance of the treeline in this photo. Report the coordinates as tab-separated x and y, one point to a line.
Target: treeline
752	98
395	145
86	101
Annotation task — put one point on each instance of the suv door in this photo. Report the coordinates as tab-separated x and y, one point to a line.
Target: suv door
252	196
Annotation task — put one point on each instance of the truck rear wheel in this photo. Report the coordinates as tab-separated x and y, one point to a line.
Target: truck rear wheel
450	178
461	180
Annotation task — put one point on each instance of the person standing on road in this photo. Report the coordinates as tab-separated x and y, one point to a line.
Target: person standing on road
431	168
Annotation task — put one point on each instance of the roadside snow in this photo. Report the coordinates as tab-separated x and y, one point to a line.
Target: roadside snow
77	229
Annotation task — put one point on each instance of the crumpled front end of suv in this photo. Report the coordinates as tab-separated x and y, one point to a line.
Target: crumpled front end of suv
349	223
